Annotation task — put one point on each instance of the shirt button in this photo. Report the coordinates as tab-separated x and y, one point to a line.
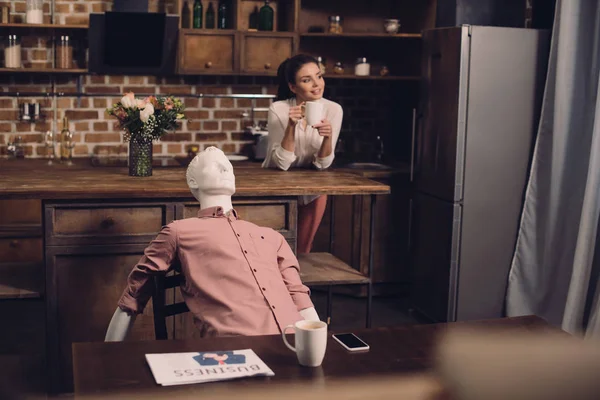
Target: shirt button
264	290
254	269
246	251
238	234
262	237
273	307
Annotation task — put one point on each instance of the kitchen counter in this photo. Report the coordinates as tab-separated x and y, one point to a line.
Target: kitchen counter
33	178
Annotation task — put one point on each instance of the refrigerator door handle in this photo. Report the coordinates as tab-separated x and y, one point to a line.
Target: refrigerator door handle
412	144
410	217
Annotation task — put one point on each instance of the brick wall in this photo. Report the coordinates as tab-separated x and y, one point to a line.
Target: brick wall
369	106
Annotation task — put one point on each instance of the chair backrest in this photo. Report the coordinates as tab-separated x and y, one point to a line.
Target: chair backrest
162	310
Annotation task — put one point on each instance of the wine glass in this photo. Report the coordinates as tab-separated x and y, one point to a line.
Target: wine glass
49	144
69	145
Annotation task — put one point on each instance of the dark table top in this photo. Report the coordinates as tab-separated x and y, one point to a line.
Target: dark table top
101	368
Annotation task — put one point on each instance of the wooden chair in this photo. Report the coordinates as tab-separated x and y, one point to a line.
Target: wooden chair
159	306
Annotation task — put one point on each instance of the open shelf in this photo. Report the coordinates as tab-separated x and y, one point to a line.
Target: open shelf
44	70
42	26
365	35
373	77
21	280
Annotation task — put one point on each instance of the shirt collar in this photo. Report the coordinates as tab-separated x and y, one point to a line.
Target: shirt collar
216	212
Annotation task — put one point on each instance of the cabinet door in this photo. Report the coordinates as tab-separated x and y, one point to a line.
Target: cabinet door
262	53
83	287
207	52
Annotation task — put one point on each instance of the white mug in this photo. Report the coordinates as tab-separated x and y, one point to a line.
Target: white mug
313	111
311	342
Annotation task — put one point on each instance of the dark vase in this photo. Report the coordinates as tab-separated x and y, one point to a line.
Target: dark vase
140	158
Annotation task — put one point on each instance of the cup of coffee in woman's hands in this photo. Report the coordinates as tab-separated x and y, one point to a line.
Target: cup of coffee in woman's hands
313	111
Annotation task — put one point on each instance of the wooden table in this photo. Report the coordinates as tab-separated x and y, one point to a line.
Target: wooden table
121	367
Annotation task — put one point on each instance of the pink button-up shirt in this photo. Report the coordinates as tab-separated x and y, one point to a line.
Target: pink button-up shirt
240	278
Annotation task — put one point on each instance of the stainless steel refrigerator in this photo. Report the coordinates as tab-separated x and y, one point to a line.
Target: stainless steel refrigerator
474	131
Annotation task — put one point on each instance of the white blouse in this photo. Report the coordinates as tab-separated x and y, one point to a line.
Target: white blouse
307	139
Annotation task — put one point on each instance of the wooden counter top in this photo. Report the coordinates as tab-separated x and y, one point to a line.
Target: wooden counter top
33	178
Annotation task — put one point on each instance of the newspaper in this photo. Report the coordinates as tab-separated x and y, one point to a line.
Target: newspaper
185	368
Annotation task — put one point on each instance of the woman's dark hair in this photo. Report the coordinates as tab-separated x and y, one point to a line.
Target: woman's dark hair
286	74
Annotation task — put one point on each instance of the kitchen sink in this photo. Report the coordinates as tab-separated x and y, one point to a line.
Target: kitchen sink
366	165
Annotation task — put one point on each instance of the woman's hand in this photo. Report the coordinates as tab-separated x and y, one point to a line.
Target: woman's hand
296	114
324	128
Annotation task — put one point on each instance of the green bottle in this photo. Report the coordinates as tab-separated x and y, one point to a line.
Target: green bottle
265	17
197	14
223	15
210	17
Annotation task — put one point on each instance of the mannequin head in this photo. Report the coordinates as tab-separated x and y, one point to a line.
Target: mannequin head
210	178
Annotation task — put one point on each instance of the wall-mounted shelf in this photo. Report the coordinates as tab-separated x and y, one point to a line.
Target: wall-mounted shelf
43	70
374	77
365	35
42	26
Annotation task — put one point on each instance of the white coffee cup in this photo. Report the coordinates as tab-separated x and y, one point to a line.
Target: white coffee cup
313	112
311	342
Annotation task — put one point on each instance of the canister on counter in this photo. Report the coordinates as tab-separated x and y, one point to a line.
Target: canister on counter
362	67
335	24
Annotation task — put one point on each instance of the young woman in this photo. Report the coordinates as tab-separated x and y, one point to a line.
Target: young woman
292	143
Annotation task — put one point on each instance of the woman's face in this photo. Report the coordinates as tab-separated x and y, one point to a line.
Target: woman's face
309	83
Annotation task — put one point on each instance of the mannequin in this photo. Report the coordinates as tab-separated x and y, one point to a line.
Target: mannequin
211	180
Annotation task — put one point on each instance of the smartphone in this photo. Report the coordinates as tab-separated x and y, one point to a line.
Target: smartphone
350	341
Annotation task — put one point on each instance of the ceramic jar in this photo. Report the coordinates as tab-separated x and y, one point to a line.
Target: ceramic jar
391	26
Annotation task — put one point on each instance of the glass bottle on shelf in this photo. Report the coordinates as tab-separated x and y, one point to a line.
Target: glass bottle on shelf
197	22
210	16
34	12
185	15
253	23
223	15
12	52
66	140
265	17
64	53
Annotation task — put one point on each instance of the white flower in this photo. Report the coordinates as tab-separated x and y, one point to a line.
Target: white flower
140	103
146	112
128	101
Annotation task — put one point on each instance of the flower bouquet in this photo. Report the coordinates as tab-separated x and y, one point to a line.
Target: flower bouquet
145	120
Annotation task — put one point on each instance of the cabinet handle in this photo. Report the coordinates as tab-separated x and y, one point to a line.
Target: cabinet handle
107	223
14	244
412	144
209	64
268	66
410	223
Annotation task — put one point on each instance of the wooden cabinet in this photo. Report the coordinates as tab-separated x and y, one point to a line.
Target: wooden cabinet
207	51
262	53
91	248
220	52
